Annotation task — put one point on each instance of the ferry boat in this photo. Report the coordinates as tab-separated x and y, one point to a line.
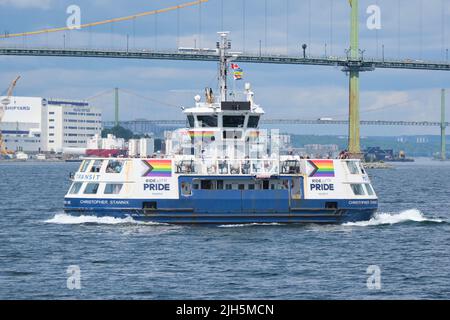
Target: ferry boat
223	169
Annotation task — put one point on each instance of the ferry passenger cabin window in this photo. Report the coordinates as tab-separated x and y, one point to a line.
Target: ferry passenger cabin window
76	186
369	189
186	188
352	167
206	184
253	122
358	189
84	165
191	121
207	121
91	188
96	166
113	188
114	166
233	121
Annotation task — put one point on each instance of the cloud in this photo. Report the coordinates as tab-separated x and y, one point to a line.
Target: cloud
28	4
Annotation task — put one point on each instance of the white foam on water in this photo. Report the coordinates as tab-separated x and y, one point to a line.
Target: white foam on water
393	218
248	225
63	218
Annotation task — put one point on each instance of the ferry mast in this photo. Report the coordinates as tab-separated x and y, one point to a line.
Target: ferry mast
223	45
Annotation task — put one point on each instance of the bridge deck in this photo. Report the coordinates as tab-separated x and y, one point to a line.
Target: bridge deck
366	64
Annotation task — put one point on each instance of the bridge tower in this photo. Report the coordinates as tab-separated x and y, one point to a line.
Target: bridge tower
116	106
354	147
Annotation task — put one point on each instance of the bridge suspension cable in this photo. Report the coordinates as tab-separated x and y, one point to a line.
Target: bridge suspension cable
99	94
149	99
98	23
378	108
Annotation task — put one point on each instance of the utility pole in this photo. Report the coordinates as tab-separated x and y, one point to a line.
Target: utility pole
443	151
116	109
354	147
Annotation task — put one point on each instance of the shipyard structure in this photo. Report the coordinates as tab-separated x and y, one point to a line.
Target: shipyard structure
36	124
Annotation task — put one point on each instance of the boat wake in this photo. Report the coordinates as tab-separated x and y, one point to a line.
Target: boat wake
381	218
411	215
248	225
63	218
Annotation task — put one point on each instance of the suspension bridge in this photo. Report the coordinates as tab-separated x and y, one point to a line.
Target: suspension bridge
352	63
144	126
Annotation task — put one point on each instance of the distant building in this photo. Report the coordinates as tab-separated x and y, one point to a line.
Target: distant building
144	147
372	154
34	124
105	147
322	150
108	143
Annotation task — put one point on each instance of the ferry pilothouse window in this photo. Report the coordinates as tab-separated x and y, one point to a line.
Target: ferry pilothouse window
207	121
253	122
352	167
84	165
91	188
96	166
358	189
191	121
113	188
233	121
75	188
114	166
232	134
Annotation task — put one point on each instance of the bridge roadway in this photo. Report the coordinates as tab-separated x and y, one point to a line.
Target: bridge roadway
144	123
362	64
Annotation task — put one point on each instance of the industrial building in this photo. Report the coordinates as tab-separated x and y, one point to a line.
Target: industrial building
35	124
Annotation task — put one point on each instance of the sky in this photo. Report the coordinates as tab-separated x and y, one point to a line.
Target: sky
152	89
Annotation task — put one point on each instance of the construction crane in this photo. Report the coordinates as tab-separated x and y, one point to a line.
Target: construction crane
6	100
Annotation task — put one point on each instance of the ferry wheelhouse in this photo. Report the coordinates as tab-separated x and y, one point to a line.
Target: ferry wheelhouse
223	169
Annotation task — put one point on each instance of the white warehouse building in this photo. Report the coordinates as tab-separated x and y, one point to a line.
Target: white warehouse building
34	124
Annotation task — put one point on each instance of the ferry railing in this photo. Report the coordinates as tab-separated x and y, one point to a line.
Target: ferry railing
236	166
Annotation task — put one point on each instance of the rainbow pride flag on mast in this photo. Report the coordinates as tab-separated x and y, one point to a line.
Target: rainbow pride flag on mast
237	71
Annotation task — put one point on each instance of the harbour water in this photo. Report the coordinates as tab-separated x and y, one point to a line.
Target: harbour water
409	241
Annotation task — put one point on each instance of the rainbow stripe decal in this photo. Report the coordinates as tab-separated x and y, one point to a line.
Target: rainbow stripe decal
253	134
158	168
201	134
322	168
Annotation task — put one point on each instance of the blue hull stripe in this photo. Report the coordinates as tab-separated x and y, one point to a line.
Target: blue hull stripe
190	218
222	212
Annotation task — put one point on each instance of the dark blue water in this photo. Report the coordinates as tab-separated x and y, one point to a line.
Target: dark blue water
409	241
